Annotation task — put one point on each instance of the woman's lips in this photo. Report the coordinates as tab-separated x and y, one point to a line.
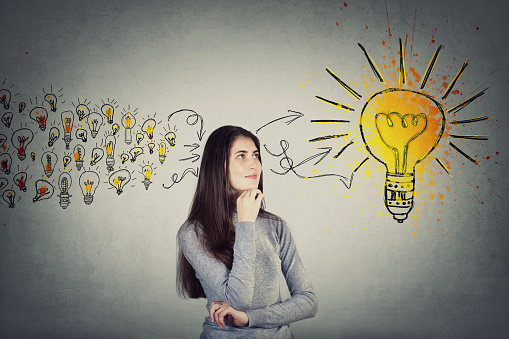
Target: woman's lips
253	176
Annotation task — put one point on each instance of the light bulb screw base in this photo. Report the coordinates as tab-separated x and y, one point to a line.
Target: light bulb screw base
399	195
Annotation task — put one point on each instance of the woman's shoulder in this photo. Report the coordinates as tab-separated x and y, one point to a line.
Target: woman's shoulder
187	230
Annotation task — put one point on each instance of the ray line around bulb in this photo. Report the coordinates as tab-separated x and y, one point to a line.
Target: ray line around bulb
463	153
443	166
402	74
343	149
374	68
334	103
430	67
484	117
345	86
456	78
362	163
327	137
470	137
330	121
459	107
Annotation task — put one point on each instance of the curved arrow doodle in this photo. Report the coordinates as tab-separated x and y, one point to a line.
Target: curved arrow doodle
195	117
176	180
294	116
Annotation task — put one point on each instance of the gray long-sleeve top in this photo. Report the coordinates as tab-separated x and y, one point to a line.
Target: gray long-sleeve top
262	250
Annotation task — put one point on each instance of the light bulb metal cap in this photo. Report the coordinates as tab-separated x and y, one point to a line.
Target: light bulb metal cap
399	194
88	199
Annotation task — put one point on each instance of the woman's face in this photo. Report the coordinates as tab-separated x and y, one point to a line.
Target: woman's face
245	167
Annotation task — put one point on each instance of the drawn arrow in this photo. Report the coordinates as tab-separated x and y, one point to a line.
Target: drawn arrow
176	180
195	146
195	117
294	116
195	157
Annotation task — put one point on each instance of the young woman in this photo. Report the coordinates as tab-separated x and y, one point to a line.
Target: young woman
232	251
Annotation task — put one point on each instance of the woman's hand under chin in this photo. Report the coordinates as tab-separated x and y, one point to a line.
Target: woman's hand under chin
221	311
248	204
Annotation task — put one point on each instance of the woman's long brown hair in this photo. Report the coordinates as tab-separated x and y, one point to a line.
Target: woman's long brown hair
211	209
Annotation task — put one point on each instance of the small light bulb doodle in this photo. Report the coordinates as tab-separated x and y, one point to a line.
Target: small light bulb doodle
5	98
147	173
79	156
139	137
64	183
151	146
20	140
115	128
3	139
119	179
135	152
21	107
67	118
9	196
128	121
51	99
110	152
89	181
67	160
108	110
40	116
3	183
95	121
81	134
82	111
20	180
97	155
148	127
7	119
124	157
54	134
5	163
32	155
48	160
43	190
171	137
162	152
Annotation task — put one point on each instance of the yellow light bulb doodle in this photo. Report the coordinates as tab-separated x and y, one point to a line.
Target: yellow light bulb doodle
115	128
147	173
67	160
400	128
54	134
108	110
162	152
67	118
171	137
89	181
97	155
39	115
148	127
110	152
135	152
151	146
82	111
95	121
128	121
139	137
79	156
119	179
124	157
81	134
51	99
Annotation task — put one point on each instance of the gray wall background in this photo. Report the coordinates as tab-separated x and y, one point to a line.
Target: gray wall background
107	270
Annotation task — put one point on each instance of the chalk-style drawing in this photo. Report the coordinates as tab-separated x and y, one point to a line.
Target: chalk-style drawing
32	155
5	98
64	184
119	179
151	146
20	140
81	134
67	118
49	160
97	155
195	156
8	196
175	178
110	152
115	128
291	118
43	190
95	121
162	152
171	137
135	152
21	107
3	183
20	180
108	110
7	119
147	172
124	157
192	119
39	115
66	159
139	138
54	134
79	156
89	181
5	163
51	98
3	139
128	121
82	110
148	127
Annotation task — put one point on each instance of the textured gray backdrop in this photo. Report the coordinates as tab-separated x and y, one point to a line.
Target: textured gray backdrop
107	270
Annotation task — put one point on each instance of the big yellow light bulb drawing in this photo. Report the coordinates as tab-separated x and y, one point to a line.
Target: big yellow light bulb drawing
400	128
